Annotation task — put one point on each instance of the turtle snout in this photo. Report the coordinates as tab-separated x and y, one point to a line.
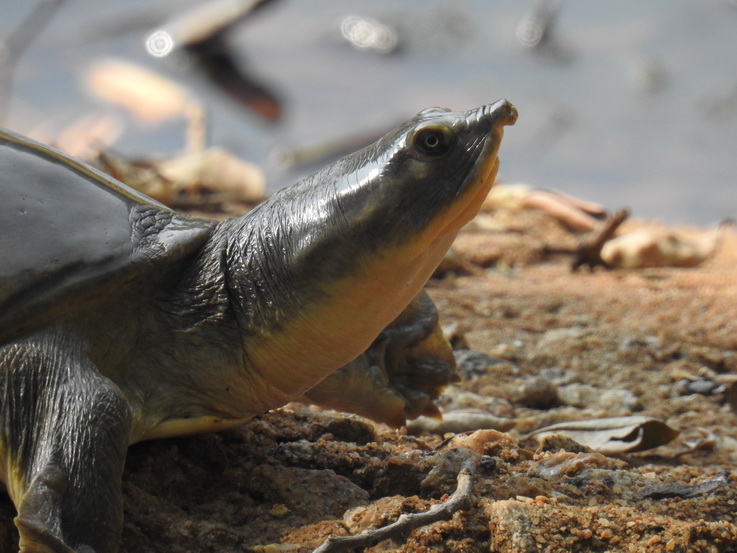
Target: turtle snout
497	114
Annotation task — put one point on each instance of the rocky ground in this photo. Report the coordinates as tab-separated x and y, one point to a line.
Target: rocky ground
537	344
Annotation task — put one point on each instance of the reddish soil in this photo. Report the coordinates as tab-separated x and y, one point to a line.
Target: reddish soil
627	342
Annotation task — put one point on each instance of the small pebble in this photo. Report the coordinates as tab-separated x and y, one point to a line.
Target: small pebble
474	363
537	393
454	398
556	375
446	466
558	442
702	386
586	396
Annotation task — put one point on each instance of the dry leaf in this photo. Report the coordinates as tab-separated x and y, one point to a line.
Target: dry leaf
149	97
573	212
210	175
87	136
215	170
614	435
460	420
685	491
662	247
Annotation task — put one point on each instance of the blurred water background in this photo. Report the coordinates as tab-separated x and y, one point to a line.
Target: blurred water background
628	103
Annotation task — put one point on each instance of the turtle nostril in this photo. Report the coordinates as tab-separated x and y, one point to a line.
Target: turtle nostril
498	113
512	113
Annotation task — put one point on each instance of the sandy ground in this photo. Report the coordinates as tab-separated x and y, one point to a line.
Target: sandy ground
558	346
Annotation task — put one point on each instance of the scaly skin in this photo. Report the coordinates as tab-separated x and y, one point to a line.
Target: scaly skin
240	318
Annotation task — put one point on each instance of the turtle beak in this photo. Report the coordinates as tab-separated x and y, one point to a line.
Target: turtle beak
487	123
497	114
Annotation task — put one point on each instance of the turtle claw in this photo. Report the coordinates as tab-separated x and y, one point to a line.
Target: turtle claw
400	376
37	538
39	511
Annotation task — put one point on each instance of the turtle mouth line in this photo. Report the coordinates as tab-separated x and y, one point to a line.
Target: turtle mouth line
477	196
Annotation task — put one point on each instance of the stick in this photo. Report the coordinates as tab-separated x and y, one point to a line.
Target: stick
589	251
406	522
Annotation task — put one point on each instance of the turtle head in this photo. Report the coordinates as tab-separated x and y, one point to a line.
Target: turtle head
322	267
423	180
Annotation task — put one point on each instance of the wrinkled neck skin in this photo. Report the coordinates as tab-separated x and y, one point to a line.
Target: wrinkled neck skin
308	279
319	270
304	282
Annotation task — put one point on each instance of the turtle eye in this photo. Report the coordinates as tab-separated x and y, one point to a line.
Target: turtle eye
433	141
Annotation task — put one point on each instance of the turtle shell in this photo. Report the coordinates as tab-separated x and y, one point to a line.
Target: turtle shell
69	233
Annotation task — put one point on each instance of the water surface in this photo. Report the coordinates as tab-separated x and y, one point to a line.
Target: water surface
633	104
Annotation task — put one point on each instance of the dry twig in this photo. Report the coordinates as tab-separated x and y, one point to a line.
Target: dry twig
588	251
406	522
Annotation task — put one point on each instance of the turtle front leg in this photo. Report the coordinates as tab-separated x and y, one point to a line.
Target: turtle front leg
64	430
399	376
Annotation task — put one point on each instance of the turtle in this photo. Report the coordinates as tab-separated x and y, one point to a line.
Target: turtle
122	320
